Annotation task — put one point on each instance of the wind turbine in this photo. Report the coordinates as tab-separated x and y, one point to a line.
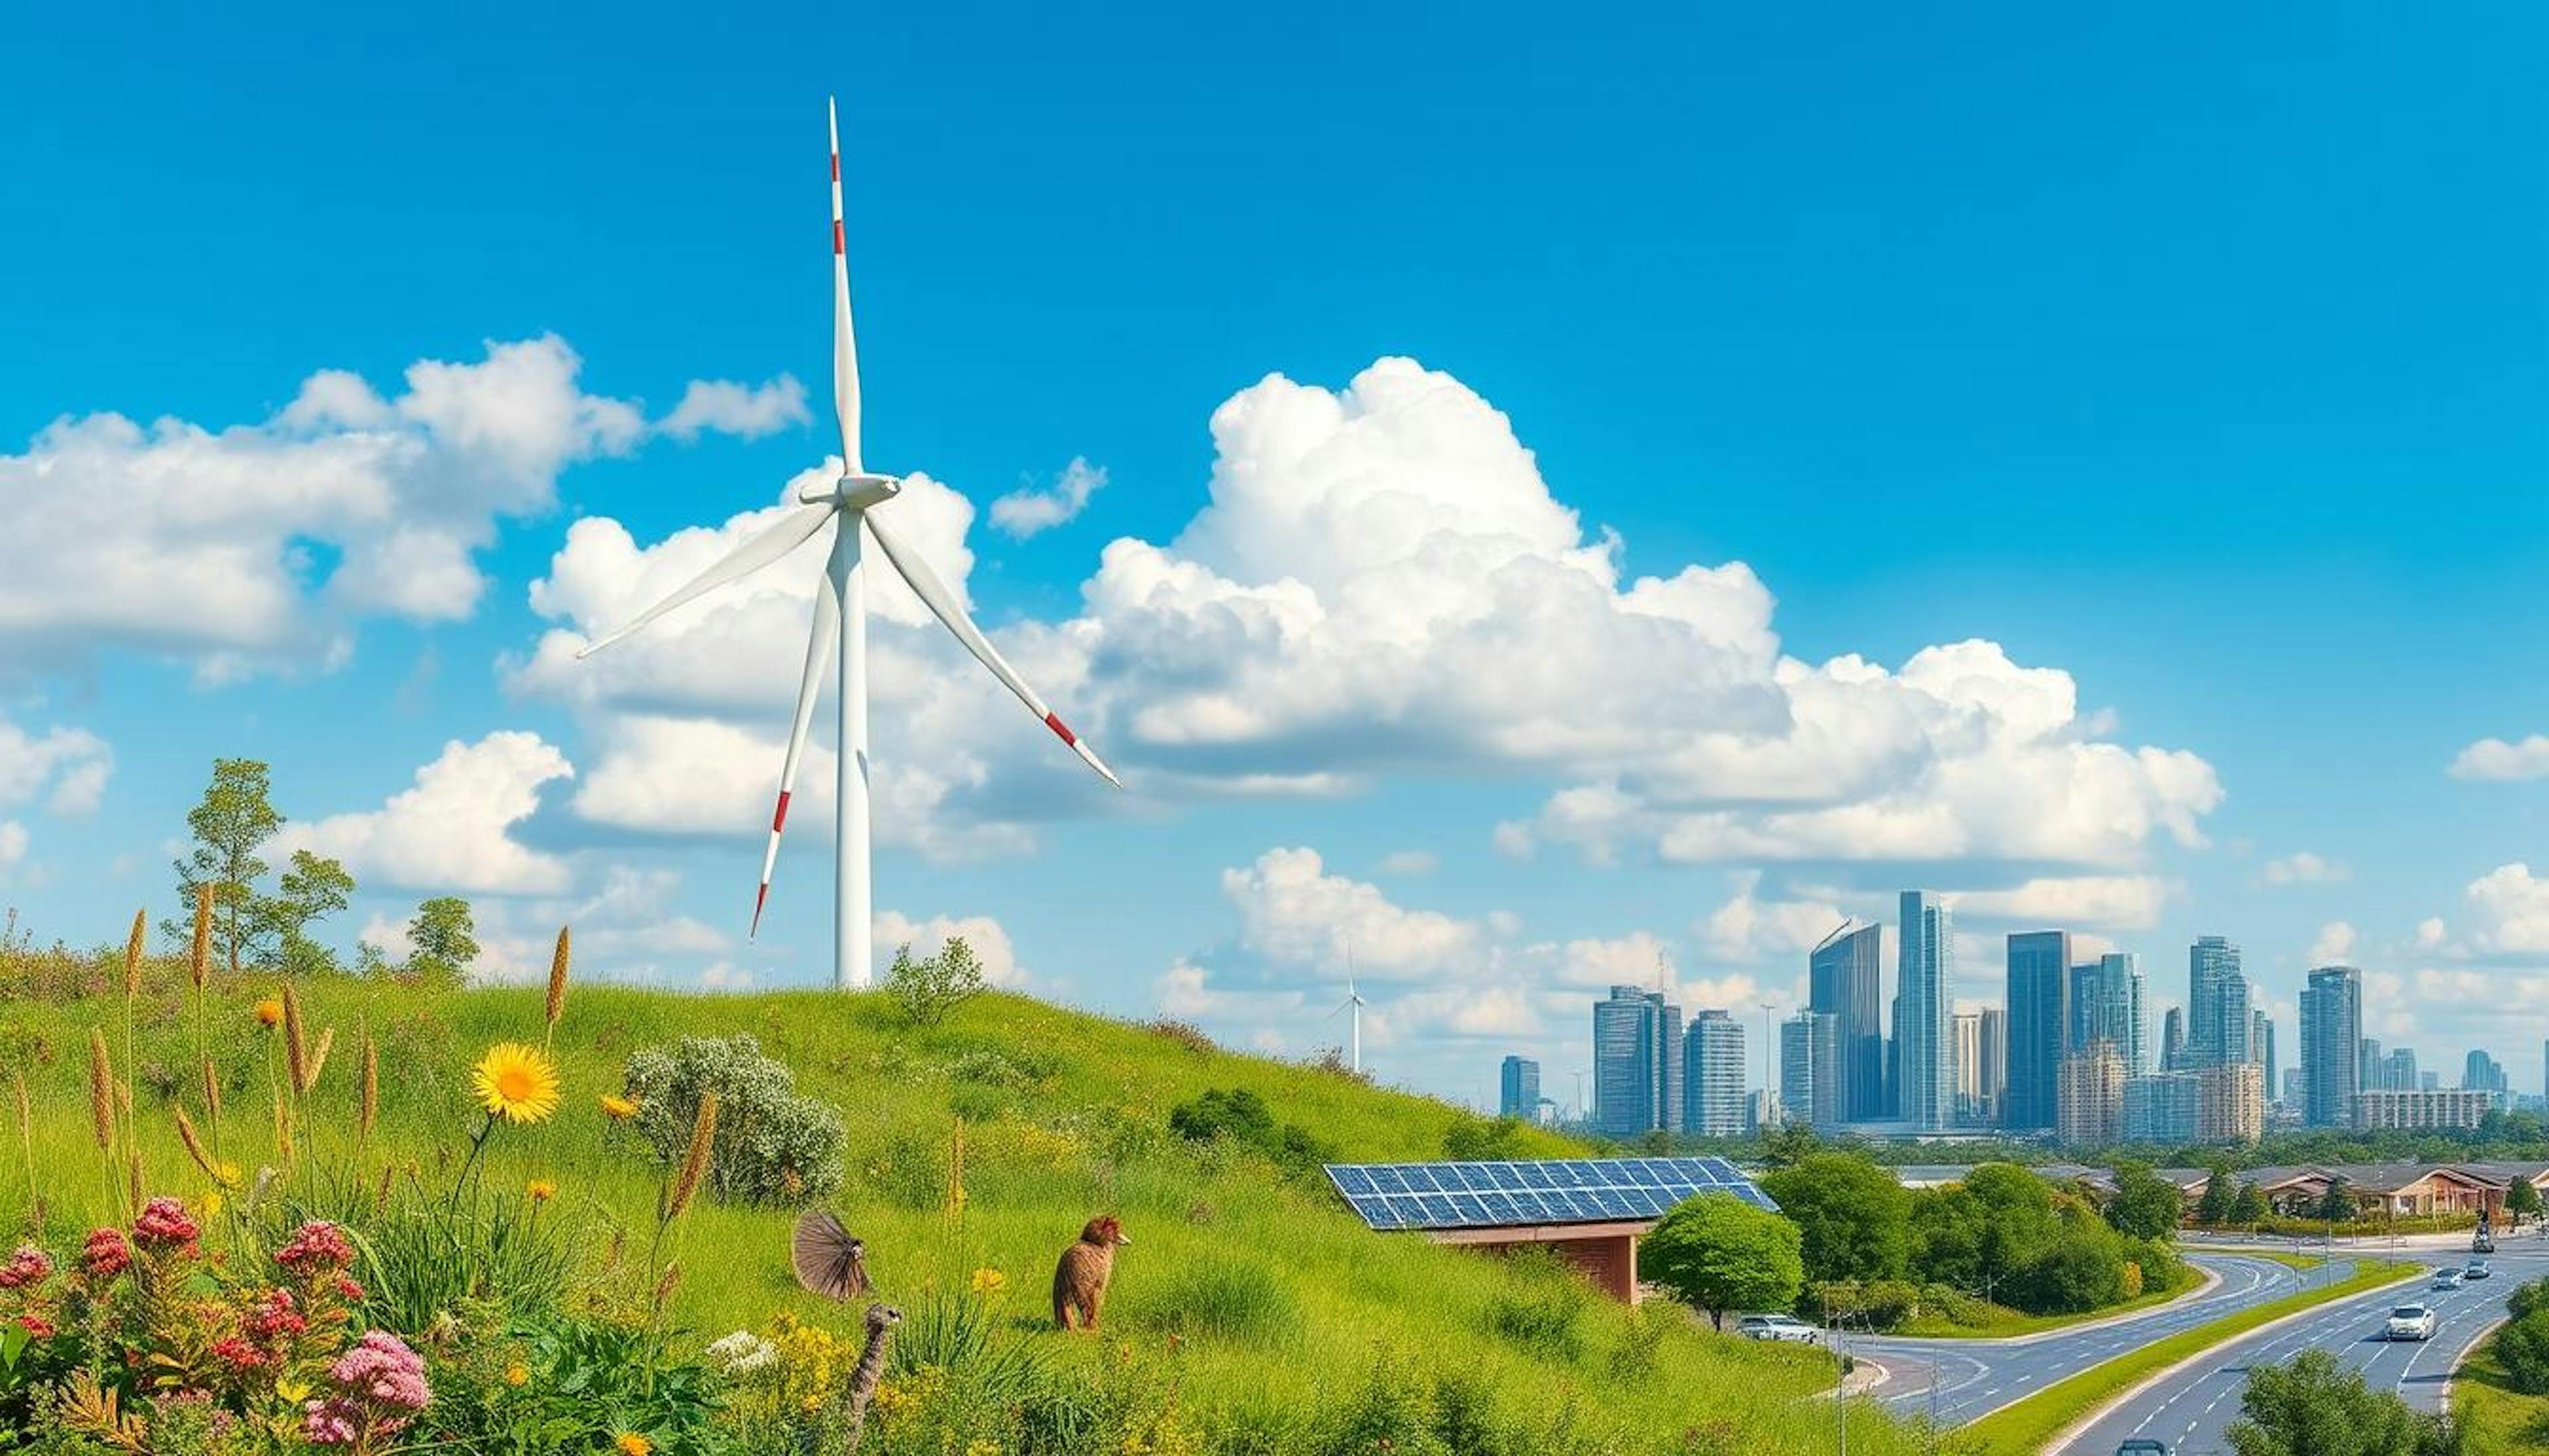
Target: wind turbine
849	504
1353	1002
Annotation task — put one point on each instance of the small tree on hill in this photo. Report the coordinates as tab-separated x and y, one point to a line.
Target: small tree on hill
2146	1205
314	888
1717	1253
1856	1217
442	938
928	989
1482	1139
2249	1208
234	818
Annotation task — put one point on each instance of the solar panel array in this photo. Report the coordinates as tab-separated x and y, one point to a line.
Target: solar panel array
1490	1195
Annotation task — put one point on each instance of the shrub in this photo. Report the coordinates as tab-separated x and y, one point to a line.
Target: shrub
1228	1298
772	1146
1240	1117
1482	1139
928	989
2522	1349
2080	1271
1543	1306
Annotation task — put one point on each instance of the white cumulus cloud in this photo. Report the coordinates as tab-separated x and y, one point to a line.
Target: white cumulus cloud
2498	759
728	408
2304	867
452	831
1023	514
981	933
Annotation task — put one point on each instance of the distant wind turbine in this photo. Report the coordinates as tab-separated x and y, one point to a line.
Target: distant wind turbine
1353	1002
847	503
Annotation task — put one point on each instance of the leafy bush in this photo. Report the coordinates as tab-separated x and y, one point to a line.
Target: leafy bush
2081	1270
1230	1299
2522	1349
772	1146
928	989
2317	1406
1542	1308
1240	1117
1484	1139
1718	1253
1880	1304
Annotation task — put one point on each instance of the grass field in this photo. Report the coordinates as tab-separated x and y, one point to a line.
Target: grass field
1276	1293
2501	1419
2028	1427
2003	1322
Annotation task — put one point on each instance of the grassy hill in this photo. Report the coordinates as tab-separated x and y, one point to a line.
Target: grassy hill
1262	1292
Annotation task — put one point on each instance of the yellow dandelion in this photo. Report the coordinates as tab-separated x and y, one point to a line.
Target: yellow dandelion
518	1374
630	1443
517	1083
989	1281
617	1108
269	1012
541	1190
210	1205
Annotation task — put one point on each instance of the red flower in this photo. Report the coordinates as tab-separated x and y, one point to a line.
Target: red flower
317	1247
29	1265
277	1318
35	1326
106	1254
164	1223
348	1289
238	1354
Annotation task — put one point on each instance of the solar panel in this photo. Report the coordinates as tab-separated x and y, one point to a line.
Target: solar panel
1491	1194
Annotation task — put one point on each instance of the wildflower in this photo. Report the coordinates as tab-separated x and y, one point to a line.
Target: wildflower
744	1353
228	1173
518	1083
36	1325
617	1108
630	1443
164	1224
269	1012
517	1375
210	1203
104	1255
989	1281
238	1354
348	1291
277	1318
380	1387
542	1190
317	1247
29	1265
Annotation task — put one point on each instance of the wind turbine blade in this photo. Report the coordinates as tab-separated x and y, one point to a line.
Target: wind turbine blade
791	533
809	686
845	348
1341	1008
934	594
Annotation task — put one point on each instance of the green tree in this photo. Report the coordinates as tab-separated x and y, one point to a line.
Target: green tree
1482	1139
2317	1406
2521	1200
928	989
2249	1208
2213	1208
1855	1218
1717	1253
2146	1205
235	819
1789	1143
2337	1205
313	889
2522	1349
442	938
2020	1220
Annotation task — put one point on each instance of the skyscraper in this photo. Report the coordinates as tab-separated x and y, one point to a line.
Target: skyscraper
1965	1054
2160	1109
2172	1040
2484	1073
2230	1103
2040	1026
1842	981
2218	1004
1925	997
2107	1001
1518	1089
2089	1095
1637	1057
1811	1080
1714	1065
1995	1058
2332	1044
2261	1047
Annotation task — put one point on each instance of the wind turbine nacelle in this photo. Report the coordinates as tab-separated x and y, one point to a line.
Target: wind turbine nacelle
856	492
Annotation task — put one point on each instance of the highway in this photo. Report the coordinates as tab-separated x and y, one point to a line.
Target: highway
1960	1379
2191	1410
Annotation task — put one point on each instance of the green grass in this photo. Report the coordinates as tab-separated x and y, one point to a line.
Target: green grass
2027	1427
1274	1292
1999	1322
2500	1418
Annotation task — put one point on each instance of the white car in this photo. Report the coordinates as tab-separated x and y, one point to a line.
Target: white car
1777	1329
2446	1279
2411	1321
2477	1269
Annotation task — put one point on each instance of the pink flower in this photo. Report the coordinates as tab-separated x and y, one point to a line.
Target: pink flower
331	1422
277	1318
36	1325
318	1247
106	1254
29	1265
380	1387
348	1289
164	1224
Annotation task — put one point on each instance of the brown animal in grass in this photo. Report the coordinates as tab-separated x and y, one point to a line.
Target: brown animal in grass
1079	1280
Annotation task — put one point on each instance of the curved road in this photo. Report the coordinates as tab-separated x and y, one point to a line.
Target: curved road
2190	1411
1962	1380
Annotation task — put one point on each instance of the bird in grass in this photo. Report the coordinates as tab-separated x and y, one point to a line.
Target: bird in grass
831	1260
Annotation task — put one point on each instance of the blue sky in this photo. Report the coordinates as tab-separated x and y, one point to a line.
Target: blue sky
2198	357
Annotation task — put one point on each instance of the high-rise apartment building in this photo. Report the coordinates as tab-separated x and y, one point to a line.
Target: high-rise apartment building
2332	1044
1811	1080
2107	1001
2160	1108
1637	1063
1994	1082
2481	1072
1842	981
2089	1096
1518	1089
2230	1103
2261	1047
1712	1062
2218	1004
2172	1040
2039	1027
2392	1110
2394	1071
1924	998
